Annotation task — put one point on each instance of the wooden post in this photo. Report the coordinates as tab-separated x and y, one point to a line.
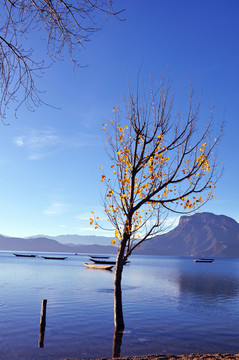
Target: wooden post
42	324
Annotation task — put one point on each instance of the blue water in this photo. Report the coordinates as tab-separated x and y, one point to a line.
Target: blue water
171	305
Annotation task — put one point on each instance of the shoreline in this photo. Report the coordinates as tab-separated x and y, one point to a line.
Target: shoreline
193	356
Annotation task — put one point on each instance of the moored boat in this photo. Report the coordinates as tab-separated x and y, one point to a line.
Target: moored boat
25	255
106	262
103	262
54	257
204	260
99	257
98	266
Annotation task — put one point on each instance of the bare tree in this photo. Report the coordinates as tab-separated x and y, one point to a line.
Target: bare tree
161	163
61	23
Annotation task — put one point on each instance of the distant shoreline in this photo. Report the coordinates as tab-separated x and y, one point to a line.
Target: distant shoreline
193	356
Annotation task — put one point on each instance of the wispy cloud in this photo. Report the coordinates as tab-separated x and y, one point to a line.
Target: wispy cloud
37	139
56	208
19	141
37	156
91	231
44	143
84	216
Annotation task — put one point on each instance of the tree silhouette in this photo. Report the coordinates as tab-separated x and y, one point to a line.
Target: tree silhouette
61	24
160	163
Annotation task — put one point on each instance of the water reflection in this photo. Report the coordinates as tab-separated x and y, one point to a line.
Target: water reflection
177	305
209	286
170	305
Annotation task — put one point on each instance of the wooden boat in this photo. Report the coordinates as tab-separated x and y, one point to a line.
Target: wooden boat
99	257
25	255
98	266
103	262
204	260
54	257
106	262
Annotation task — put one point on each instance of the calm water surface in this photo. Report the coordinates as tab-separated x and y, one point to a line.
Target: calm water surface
171	305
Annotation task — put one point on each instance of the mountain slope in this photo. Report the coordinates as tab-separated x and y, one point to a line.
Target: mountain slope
49	245
82	239
203	235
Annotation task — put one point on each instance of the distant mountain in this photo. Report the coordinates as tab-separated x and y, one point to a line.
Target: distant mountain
49	245
82	239
199	235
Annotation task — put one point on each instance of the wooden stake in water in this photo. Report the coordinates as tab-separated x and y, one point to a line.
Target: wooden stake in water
42	324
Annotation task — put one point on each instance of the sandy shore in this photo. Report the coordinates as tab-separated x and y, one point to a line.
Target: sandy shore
177	357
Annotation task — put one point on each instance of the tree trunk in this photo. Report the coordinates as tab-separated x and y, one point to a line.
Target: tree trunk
118	308
117	342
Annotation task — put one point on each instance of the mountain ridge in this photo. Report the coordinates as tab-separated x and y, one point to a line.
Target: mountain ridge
202	234
44	244
76	239
199	235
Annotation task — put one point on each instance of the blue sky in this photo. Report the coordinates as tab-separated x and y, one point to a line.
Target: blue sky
50	159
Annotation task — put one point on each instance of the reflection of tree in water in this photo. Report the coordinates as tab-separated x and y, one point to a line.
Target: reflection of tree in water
208	292
209	286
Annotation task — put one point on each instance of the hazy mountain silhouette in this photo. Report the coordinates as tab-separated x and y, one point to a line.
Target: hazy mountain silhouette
49	245
199	235
82	239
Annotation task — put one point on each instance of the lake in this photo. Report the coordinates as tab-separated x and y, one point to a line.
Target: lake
171	305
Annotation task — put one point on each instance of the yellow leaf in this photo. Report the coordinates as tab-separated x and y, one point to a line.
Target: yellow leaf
113	242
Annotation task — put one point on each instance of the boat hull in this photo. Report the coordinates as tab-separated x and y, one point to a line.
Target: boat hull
54	258
98	266
25	255
103	262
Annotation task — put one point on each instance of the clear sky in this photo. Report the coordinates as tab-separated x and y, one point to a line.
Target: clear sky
50	159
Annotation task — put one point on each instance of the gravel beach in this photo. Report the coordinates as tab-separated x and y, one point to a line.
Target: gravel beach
177	357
